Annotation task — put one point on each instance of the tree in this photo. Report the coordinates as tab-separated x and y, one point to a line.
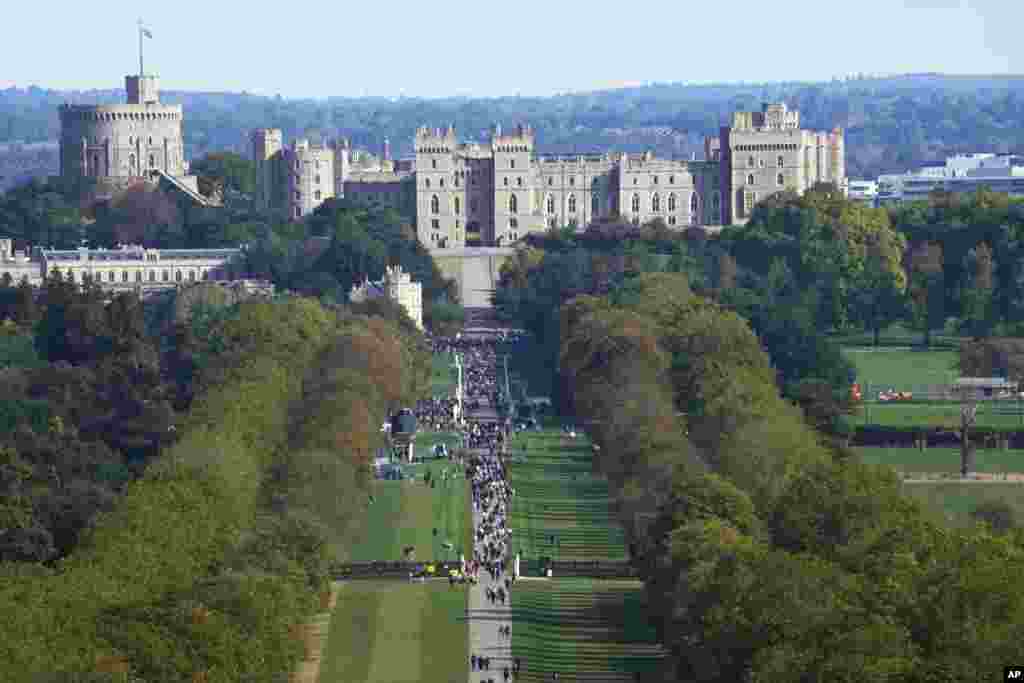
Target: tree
928	292
977	299
878	299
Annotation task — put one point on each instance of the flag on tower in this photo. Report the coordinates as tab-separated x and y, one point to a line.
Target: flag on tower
145	32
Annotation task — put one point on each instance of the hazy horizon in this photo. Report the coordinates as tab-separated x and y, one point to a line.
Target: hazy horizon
457	50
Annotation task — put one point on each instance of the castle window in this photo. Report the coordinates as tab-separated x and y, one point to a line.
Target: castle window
177	276
655	180
435	224
572	180
693	203
152	276
750	179
671	220
572	203
317	178
433	163
671	203
513	204
441	182
513	222
456	181
138	276
191	276
671	180
519	181
298	195
635	180
751	162
551	181
780	180
458	206
781	161
760	163
511	163
167	276
317	195
655	204
551	204
435	205
636	203
506	181
426	182
298	212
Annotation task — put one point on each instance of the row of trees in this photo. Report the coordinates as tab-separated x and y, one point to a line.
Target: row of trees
220	544
767	554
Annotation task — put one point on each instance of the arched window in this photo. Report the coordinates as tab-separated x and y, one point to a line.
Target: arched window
780	180
435	205
551	204
572	203
671	203
513	204
781	161
655	203
693	203
636	203
458	206
750	179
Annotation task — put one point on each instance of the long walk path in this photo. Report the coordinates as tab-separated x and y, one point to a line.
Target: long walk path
488	616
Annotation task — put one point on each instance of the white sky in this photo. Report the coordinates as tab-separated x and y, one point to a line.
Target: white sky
459	47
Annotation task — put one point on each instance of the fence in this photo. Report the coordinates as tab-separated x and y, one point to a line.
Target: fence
599	569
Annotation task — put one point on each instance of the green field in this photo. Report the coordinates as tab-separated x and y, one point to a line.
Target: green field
443	376
942	459
405	513
955	500
398	632
585	629
900	369
557	494
897	335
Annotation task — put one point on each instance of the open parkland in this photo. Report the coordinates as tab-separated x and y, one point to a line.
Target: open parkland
396	629
584	628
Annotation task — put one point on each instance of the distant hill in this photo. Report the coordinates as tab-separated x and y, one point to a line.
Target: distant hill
892	122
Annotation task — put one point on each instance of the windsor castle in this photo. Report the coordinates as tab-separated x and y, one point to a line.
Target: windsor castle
502	189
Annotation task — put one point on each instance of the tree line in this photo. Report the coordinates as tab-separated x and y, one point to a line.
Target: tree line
164	493
767	553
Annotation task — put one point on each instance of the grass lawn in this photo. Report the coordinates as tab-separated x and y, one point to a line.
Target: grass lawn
900	369
397	632
897	335
443	376
1005	414
585	629
556	493
406	512
942	459
954	501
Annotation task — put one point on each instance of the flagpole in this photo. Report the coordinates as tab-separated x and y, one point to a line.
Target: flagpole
142	72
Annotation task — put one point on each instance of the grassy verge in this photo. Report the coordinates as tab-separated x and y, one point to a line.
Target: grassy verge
405	513
901	369
954	501
585	629
557	494
443	376
942	459
397	632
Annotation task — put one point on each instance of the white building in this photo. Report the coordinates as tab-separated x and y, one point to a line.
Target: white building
396	285
864	191
963	173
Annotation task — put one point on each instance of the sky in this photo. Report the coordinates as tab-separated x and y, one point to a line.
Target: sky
530	47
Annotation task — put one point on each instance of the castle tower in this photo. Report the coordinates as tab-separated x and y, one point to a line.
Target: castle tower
440	201
266	152
513	185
